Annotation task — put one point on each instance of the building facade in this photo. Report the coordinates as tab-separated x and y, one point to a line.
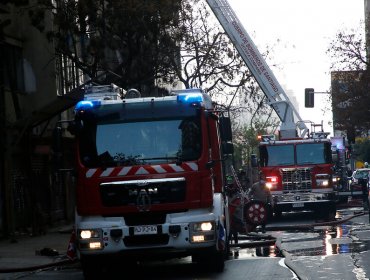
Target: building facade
33	193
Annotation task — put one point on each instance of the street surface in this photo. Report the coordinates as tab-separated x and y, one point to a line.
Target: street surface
339	251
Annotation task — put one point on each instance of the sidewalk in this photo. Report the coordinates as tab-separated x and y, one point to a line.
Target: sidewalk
35	252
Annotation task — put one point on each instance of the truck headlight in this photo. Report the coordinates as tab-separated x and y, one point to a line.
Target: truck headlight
322	180
272	182
90	239
89	233
202	231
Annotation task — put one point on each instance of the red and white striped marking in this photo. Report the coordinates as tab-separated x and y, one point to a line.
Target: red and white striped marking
141	170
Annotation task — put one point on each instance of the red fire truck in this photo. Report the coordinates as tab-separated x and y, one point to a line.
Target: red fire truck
299	174
299	165
150	178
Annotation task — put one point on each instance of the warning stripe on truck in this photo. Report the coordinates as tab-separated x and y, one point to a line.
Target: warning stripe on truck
141	170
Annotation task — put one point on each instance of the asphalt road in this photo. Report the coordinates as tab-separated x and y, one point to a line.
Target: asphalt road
324	251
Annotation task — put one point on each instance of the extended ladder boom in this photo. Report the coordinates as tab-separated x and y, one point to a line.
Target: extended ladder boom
265	78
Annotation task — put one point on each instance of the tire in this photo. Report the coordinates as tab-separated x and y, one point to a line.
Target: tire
210	260
277	214
327	213
343	199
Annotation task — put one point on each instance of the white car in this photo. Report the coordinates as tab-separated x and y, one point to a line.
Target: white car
357	176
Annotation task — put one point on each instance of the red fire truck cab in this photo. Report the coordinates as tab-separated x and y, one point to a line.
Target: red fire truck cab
299	174
150	178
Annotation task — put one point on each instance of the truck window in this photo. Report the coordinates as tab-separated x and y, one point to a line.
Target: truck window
277	155
141	142
312	153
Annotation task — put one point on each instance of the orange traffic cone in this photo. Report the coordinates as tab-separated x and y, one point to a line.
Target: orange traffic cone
71	251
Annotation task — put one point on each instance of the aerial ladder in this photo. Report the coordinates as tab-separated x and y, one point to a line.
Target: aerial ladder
292	125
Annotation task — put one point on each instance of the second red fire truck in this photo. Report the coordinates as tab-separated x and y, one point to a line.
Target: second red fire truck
298	166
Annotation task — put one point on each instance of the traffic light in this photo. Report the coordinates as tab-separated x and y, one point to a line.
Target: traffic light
309	99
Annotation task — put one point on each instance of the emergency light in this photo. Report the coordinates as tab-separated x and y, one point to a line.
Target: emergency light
190	98
266	138
87	104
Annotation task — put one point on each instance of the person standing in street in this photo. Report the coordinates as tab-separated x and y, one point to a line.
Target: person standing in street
259	191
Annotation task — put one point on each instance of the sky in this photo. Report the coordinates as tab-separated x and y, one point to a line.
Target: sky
300	32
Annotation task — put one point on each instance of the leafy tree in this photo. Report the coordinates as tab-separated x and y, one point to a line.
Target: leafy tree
350	83
147	43
246	137
362	150
123	39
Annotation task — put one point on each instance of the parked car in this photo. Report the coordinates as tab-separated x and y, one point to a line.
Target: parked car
358	176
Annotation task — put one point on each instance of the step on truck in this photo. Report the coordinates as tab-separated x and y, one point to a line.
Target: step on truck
150	178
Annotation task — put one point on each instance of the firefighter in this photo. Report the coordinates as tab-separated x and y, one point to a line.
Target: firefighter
243	178
259	191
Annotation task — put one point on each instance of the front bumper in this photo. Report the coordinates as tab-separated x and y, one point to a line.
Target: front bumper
179	235
286	202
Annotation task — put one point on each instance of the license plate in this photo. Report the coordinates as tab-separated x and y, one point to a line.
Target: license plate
149	229
297	205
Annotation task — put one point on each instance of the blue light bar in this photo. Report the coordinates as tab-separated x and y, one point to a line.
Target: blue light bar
190	98
87	104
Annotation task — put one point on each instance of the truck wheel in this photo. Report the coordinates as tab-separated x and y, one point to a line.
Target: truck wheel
327	213
210	259
343	199
277	213
332	212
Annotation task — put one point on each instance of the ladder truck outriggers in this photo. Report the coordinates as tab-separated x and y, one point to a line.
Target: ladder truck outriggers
298	166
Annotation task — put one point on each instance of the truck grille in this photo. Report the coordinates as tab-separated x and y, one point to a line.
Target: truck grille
296	179
142	193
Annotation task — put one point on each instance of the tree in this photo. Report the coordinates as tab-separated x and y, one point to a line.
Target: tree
149	44
350	83
210	61
246	137
122	39
362	150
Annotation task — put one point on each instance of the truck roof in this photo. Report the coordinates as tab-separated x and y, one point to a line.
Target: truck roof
111	94
295	141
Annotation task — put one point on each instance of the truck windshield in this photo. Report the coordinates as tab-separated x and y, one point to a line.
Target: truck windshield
140	142
277	155
291	154
314	153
